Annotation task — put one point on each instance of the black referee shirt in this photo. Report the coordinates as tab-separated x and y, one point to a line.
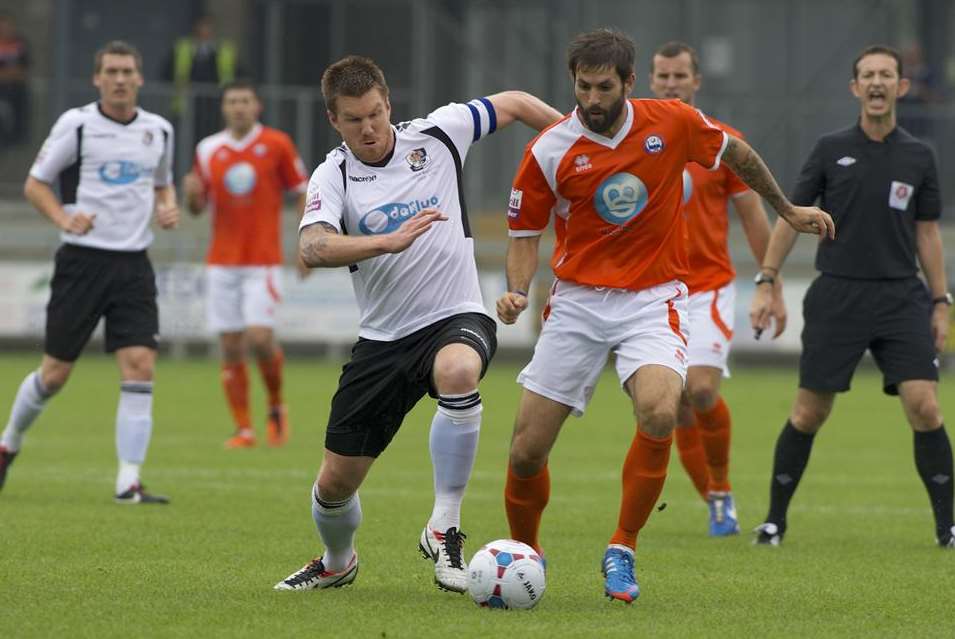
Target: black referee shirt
875	192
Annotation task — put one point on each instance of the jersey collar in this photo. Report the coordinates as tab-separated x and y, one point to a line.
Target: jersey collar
246	139
99	109
613	142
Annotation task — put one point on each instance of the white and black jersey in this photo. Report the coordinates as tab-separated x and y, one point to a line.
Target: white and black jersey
109	169
436	277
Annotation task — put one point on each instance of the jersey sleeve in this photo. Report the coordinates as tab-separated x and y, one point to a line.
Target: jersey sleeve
705	141
325	197
531	201
162	176
467	123
59	150
812	179
928	204
734	185
291	168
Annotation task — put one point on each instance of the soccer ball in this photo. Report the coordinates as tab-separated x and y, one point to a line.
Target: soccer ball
506	574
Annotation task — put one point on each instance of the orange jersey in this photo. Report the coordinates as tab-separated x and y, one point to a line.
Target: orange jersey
706	195
244	180
617	202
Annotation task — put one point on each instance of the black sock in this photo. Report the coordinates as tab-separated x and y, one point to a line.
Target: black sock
933	459
789	462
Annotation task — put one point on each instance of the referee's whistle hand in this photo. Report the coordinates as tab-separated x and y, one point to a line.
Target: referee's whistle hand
761	309
510	306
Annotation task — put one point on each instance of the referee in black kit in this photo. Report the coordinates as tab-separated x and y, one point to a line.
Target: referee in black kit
881	186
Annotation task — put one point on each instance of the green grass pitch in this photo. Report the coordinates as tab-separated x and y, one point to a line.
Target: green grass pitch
859	560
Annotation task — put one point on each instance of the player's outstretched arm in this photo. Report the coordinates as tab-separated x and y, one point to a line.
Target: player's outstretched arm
44	200
746	163
523	107
521	266
320	244
928	243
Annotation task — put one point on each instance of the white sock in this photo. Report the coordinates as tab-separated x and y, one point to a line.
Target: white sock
134	426
337	522
29	403
454	438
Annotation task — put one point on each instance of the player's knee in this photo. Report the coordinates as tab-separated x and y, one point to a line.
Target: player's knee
809	418
54	377
657	420
456	376
924	410
334	486
138	368
703	395
525	459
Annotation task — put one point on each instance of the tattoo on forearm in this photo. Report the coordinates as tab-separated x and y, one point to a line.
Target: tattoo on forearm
314	241
751	169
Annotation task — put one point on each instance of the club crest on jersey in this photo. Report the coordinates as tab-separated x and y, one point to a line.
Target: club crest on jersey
653	144
582	163
620	198
120	172
240	178
147	138
388	217
417	159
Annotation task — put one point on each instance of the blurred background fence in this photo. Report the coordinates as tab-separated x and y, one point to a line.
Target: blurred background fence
778	70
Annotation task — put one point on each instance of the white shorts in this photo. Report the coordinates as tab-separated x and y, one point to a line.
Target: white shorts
242	296
711	327
585	324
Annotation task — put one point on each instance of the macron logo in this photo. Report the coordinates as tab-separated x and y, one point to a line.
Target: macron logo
846	161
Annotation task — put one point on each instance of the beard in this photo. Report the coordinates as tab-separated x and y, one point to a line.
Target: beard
600	122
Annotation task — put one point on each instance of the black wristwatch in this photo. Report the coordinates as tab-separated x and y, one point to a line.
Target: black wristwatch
762	278
944	299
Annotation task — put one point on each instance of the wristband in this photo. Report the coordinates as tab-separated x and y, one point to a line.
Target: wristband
519	292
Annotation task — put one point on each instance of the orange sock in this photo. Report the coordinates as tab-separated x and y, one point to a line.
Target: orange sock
644	472
715	433
271	370
235	382
525	499
693	457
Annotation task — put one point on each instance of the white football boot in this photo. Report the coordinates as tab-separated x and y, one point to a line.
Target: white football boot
444	549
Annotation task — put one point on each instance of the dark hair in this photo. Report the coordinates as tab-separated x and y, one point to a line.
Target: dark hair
240	85
117	47
352	76
873	50
602	48
674	48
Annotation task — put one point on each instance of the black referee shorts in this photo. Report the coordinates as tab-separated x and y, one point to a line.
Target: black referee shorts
384	380
844	317
92	283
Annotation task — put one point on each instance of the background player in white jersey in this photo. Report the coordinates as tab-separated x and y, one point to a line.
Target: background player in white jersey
389	205
243	172
703	432
113	161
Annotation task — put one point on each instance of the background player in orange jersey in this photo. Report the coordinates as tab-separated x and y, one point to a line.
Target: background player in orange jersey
611	175
242	172
703	433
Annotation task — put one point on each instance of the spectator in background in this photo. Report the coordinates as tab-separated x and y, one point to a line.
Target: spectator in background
14	61
198	65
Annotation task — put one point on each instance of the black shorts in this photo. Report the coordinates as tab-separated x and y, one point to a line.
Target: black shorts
92	283
384	380
844	317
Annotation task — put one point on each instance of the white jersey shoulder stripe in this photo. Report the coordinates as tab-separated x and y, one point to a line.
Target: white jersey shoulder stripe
551	147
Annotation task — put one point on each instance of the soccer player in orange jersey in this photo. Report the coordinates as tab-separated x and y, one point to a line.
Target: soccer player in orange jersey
242	172
611	175
703	428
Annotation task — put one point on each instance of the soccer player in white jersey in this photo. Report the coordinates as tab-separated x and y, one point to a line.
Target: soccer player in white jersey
389	205
113	162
